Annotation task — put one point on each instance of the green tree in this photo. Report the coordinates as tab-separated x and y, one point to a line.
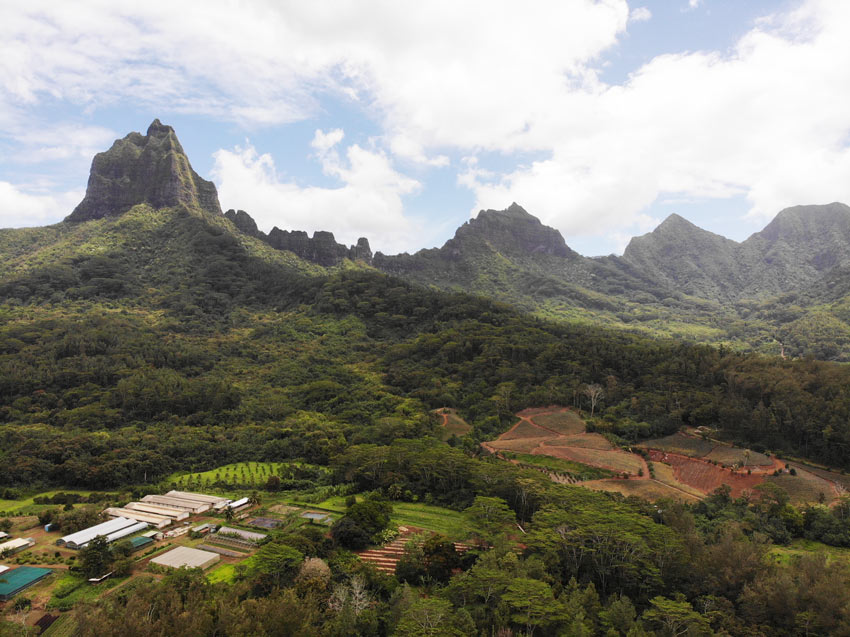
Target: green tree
532	604
96	557
675	617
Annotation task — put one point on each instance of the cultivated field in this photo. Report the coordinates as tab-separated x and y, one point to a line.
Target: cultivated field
588	441
526	429
681	444
664	474
647	489
736	455
617	461
704	476
563	422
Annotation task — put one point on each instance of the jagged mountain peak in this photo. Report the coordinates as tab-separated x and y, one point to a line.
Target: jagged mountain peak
809	221
511	231
151	169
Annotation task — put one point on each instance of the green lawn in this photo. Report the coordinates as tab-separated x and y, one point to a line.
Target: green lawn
424	516
224	573
27	506
801	547
83	592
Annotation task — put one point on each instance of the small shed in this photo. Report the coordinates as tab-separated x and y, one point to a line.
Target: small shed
140	542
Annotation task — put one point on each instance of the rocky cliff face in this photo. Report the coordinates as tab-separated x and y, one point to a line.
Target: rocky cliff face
150	169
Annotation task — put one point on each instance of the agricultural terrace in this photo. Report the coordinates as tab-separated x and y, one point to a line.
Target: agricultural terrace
558	433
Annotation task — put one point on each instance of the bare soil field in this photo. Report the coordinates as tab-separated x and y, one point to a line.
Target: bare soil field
681	444
664	474
733	455
704	476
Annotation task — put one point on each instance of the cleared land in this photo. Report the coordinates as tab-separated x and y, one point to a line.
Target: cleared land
736	455
526	429
587	441
681	444
664	474
704	476
803	487
647	489
453	425
617	461
564	422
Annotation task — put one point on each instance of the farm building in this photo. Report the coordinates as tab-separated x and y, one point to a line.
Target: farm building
159	521
140	542
203	529
154	535
126	532
3	569
81	538
215	501
3	535
238	505
15	546
193	506
188	557
18	579
158	509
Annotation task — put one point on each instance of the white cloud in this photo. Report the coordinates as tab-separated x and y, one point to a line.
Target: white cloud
20	207
765	119
367	203
694	4
640	14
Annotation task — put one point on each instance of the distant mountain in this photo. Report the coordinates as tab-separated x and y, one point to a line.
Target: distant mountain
793	252
152	169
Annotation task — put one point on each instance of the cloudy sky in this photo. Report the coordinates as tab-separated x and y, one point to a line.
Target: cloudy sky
398	120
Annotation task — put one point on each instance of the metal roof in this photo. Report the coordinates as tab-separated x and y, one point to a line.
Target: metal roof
185	556
117	535
105	528
19	578
251	536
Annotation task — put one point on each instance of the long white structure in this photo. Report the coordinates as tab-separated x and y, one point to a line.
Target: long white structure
238	504
188	557
14	546
159	521
158	509
117	535
78	539
216	501
192	506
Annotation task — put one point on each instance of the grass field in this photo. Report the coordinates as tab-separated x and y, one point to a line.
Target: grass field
803	487
27	506
736	455
83	592
455	425
223	573
800	548
424	516
618	461
679	443
565	423
560	465
647	489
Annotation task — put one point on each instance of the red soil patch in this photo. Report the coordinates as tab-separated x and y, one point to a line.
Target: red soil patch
706	477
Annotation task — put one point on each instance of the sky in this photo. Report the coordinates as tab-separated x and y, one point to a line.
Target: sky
398	120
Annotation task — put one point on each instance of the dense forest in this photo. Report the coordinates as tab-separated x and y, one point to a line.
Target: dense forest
226	356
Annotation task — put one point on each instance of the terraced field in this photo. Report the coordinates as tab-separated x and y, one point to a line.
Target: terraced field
694	447
804	487
557	432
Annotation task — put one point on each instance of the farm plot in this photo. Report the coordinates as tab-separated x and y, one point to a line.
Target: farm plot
664	474
563	422
519	445
803	487
526	429
618	461
646	489
704	476
587	441
736	455
681	444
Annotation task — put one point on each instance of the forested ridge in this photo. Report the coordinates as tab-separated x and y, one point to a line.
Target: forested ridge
165	341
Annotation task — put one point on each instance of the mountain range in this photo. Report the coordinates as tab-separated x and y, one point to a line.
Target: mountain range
784	290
